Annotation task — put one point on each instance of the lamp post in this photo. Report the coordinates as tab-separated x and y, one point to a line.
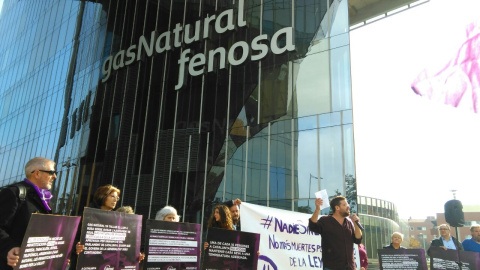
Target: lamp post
422	236
310	188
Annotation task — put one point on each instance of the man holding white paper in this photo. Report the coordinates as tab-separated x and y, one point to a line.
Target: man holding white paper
338	232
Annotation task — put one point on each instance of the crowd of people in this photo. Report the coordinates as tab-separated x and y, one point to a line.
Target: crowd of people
340	230
20	200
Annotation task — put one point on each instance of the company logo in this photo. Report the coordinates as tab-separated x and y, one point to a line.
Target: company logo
203	62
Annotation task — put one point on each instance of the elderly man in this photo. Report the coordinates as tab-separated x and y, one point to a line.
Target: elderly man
338	234
473	244
18	201
445	241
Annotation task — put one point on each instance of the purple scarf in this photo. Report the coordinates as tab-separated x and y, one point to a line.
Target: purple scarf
44	194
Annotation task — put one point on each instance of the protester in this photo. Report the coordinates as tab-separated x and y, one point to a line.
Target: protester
220	218
233	206
362	252
15	211
397	239
473	244
106	197
445	241
337	241
125	209
167	213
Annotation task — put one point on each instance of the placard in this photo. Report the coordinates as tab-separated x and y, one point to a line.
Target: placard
47	242
111	239
231	250
172	245
402	259
453	259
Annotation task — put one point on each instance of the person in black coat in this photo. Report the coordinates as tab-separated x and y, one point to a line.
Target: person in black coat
15	213
445	241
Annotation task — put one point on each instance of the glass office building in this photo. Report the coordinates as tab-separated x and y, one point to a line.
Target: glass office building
380	219
187	103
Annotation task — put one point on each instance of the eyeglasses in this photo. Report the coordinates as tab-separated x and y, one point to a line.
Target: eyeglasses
444	229
115	197
49	172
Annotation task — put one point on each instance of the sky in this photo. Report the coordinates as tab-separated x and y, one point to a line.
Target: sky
411	150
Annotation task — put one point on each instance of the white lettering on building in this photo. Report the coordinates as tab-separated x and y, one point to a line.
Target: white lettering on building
195	65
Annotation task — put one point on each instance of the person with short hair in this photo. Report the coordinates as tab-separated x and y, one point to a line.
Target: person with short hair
445	241
397	239
338	233
106	197
234	207
167	213
15	213
125	209
473	244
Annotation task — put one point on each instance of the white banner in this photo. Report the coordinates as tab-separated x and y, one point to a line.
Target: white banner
285	240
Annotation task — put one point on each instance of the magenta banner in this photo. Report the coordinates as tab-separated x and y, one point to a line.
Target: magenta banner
48	242
172	245
111	239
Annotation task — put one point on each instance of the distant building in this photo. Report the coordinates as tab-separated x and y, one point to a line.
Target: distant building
471	216
380	219
422	232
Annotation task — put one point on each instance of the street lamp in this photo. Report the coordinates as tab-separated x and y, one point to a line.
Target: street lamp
310	188
422	236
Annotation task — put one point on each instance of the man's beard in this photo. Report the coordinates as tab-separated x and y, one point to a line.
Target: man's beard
476	239
345	213
235	219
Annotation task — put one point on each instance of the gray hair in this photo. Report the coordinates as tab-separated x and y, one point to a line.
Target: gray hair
398	234
165	211
125	209
475	226
37	163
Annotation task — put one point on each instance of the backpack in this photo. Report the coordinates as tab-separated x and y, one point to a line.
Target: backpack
22	190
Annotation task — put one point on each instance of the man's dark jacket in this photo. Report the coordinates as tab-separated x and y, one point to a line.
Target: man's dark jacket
14	217
438	243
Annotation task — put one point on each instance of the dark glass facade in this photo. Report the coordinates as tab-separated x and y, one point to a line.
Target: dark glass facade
186	103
